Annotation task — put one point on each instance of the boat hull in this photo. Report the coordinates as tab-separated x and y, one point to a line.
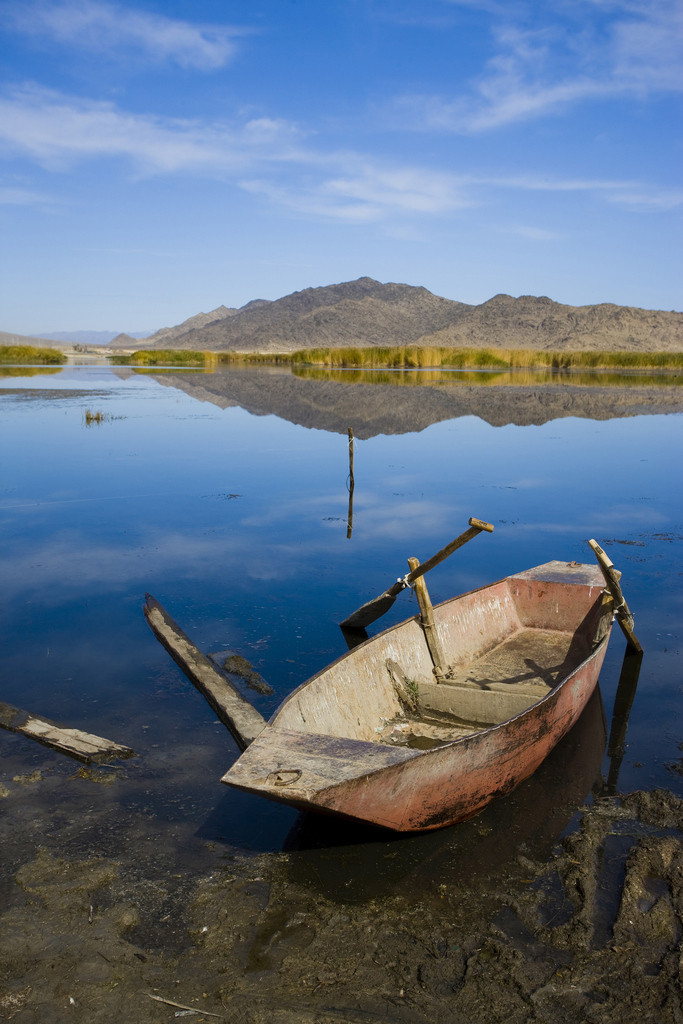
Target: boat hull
451	783
410	790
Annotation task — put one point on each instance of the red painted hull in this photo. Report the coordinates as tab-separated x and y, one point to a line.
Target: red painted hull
451	783
318	753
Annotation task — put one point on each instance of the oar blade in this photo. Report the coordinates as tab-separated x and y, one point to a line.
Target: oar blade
370	612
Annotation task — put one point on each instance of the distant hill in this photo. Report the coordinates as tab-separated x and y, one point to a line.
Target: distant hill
24	339
89	337
530	322
165	336
367	313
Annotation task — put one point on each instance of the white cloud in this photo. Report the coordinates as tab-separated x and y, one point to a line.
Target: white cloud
57	130
654	199
109	28
535	234
359	190
266	157
10	196
559	62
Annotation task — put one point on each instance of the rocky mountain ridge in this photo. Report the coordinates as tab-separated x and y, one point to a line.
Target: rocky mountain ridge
367	313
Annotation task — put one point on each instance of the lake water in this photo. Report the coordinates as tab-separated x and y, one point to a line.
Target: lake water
225	496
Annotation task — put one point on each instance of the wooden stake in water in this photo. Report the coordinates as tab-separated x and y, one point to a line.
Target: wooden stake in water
349	525
621	609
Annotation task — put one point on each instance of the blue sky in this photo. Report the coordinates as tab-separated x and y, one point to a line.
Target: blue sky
159	159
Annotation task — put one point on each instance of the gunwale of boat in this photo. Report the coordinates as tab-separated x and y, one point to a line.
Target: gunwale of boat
469	738
372	640
480	607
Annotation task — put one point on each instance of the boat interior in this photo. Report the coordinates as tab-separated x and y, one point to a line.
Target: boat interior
507	646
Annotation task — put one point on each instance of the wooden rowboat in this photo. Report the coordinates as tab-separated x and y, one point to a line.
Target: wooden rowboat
376	738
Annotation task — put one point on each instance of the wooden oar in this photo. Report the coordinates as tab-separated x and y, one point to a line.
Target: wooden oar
380	605
621	609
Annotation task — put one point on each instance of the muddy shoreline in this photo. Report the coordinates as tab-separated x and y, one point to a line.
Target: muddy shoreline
539	909
255	941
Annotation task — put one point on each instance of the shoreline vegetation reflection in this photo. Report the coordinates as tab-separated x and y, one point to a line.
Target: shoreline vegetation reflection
413	357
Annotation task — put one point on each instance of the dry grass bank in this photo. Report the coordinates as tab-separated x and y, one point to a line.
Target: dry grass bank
414	357
483	358
21	354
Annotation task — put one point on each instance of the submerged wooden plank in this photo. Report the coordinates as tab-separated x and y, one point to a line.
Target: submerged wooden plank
83	746
244	721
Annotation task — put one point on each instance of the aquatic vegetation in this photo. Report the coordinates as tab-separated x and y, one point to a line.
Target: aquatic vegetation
91	417
94	417
411	357
163	357
30	354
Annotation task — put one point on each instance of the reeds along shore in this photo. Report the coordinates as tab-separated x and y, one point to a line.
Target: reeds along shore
415	357
22	354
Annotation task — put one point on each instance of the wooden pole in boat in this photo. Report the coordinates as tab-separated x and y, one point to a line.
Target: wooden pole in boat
349	525
621	609
428	624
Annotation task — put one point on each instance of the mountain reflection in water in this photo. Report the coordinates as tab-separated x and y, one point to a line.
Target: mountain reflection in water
379	402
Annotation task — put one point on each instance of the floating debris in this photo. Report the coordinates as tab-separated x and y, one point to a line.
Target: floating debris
83	746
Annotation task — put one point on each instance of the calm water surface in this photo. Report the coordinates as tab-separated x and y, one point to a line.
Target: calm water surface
237	523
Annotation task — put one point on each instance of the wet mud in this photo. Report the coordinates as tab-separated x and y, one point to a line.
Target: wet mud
540	908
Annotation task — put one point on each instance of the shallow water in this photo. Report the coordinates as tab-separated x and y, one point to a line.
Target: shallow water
235	518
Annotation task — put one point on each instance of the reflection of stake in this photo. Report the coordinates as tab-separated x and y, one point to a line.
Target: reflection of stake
621	609
349	526
626	691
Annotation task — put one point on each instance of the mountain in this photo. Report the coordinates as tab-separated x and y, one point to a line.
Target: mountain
123	341
165	335
368	313
531	322
89	337
356	312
